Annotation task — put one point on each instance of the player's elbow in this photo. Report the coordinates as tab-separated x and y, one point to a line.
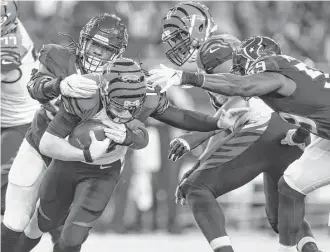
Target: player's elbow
46	145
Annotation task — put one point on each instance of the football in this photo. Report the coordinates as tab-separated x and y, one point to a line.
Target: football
80	138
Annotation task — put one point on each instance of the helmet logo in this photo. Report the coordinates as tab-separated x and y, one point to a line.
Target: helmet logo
132	104
104	39
131	78
250	49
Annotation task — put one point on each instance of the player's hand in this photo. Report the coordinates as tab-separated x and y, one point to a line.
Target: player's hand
289	140
229	118
164	77
78	86
98	148
180	196
116	134
178	148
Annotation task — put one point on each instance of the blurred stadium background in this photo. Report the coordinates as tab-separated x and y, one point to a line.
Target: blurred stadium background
144	200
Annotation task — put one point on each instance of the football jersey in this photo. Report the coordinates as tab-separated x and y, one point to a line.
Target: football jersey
17	107
309	105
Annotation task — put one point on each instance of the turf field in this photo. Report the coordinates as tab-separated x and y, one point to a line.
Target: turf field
245	241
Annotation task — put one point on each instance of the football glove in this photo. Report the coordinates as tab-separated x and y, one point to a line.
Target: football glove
178	148
117	132
289	140
180	196
165	77
97	148
78	86
229	119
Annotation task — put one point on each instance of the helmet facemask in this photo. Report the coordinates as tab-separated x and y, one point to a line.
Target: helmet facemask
94	54
122	113
185	28
178	46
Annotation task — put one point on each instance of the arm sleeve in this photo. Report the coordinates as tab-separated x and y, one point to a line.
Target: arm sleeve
43	87
44	84
63	123
137	136
163	104
187	119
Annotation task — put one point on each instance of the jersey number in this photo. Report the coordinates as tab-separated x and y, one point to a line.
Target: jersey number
306	123
313	73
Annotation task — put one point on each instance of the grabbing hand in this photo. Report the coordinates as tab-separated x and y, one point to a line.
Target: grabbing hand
180	195
231	117
164	77
289	140
116	134
97	148
78	86
178	148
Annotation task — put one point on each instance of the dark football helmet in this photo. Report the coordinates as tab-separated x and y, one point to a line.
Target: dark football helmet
102	39
251	50
215	51
185	28
8	16
123	89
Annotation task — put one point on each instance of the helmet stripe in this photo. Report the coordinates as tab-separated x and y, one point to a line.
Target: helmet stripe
125	71
183	11
177	19
202	11
123	63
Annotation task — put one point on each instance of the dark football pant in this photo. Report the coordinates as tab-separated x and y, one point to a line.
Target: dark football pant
74	194
11	139
266	155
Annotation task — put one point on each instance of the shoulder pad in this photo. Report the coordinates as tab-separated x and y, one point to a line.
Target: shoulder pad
58	59
83	108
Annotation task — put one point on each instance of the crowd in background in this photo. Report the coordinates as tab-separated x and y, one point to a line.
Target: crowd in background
144	198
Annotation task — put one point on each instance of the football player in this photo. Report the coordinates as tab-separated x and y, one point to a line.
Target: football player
299	94
213	53
231	161
18	57
78	184
102	39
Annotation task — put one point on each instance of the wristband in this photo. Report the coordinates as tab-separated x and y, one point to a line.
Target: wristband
87	155
195	79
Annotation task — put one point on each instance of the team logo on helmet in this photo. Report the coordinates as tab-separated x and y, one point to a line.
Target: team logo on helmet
251	50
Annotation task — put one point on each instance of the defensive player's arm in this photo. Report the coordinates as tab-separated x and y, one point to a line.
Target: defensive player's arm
235	85
187	119
43	85
53	143
137	136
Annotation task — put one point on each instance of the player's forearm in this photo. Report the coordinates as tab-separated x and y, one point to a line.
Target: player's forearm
194	139
226	84
43	87
137	138
58	148
187	119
